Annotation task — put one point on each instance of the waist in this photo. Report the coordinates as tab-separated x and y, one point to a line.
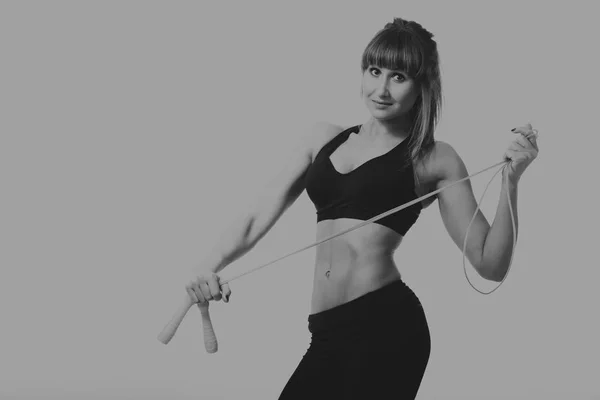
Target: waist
367	310
341	276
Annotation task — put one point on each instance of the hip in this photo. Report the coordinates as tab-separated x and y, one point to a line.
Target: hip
392	311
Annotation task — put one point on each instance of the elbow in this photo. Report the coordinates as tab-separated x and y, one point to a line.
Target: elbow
497	278
493	273
487	268
239	238
256	226
250	234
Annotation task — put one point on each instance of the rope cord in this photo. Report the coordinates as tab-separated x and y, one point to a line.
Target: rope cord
401	207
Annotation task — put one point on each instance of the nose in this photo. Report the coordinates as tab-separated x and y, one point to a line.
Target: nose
382	90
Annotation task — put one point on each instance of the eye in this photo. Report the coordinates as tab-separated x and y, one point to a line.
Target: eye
399	78
374	71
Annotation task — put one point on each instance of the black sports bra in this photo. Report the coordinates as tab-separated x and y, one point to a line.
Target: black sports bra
376	186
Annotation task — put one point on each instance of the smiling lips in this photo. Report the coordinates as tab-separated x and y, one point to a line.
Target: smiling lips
381	103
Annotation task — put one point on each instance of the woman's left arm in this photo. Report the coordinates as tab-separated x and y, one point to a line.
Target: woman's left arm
488	249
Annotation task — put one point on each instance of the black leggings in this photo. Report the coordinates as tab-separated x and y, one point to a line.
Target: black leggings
373	347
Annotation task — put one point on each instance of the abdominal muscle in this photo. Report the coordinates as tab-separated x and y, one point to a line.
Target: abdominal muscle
360	261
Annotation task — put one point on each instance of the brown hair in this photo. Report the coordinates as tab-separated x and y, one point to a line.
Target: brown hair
407	46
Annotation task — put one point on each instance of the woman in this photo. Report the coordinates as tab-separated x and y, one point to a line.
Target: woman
369	333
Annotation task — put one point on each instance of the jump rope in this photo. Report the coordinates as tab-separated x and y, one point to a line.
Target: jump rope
210	339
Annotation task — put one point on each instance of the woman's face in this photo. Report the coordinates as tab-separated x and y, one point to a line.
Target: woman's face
388	94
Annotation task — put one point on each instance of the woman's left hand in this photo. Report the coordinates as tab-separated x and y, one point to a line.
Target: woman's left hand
522	151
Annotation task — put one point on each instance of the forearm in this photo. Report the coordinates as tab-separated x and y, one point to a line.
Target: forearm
498	244
243	234
235	242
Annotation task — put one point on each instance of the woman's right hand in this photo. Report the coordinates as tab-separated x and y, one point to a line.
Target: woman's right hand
205	286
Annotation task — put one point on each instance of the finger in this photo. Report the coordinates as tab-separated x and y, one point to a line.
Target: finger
192	294
203	286
530	135
226	292
524	142
526	146
533	138
197	288
515	153
523	129
201	298
214	287
519	156
516	147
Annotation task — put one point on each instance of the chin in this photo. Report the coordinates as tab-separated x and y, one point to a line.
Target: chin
384	115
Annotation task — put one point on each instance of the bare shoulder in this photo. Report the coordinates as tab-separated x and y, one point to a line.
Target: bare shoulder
445	163
441	165
319	134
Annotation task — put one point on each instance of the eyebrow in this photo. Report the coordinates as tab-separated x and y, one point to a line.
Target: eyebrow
397	71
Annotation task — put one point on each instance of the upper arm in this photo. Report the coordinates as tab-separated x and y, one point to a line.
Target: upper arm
287	184
457	203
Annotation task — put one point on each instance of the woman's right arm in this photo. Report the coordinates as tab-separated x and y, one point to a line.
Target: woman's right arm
260	216
251	226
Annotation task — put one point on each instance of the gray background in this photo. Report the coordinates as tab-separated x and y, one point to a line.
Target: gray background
132	132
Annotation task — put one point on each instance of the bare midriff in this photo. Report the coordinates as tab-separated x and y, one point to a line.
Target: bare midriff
359	262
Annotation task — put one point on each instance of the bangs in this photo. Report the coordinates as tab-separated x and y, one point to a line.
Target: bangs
396	51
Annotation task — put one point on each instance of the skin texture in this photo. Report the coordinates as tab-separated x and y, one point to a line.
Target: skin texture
362	260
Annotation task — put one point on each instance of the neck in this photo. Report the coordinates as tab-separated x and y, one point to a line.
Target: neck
398	128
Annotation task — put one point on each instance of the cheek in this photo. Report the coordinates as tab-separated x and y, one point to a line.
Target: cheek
409	97
367	85
414	98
